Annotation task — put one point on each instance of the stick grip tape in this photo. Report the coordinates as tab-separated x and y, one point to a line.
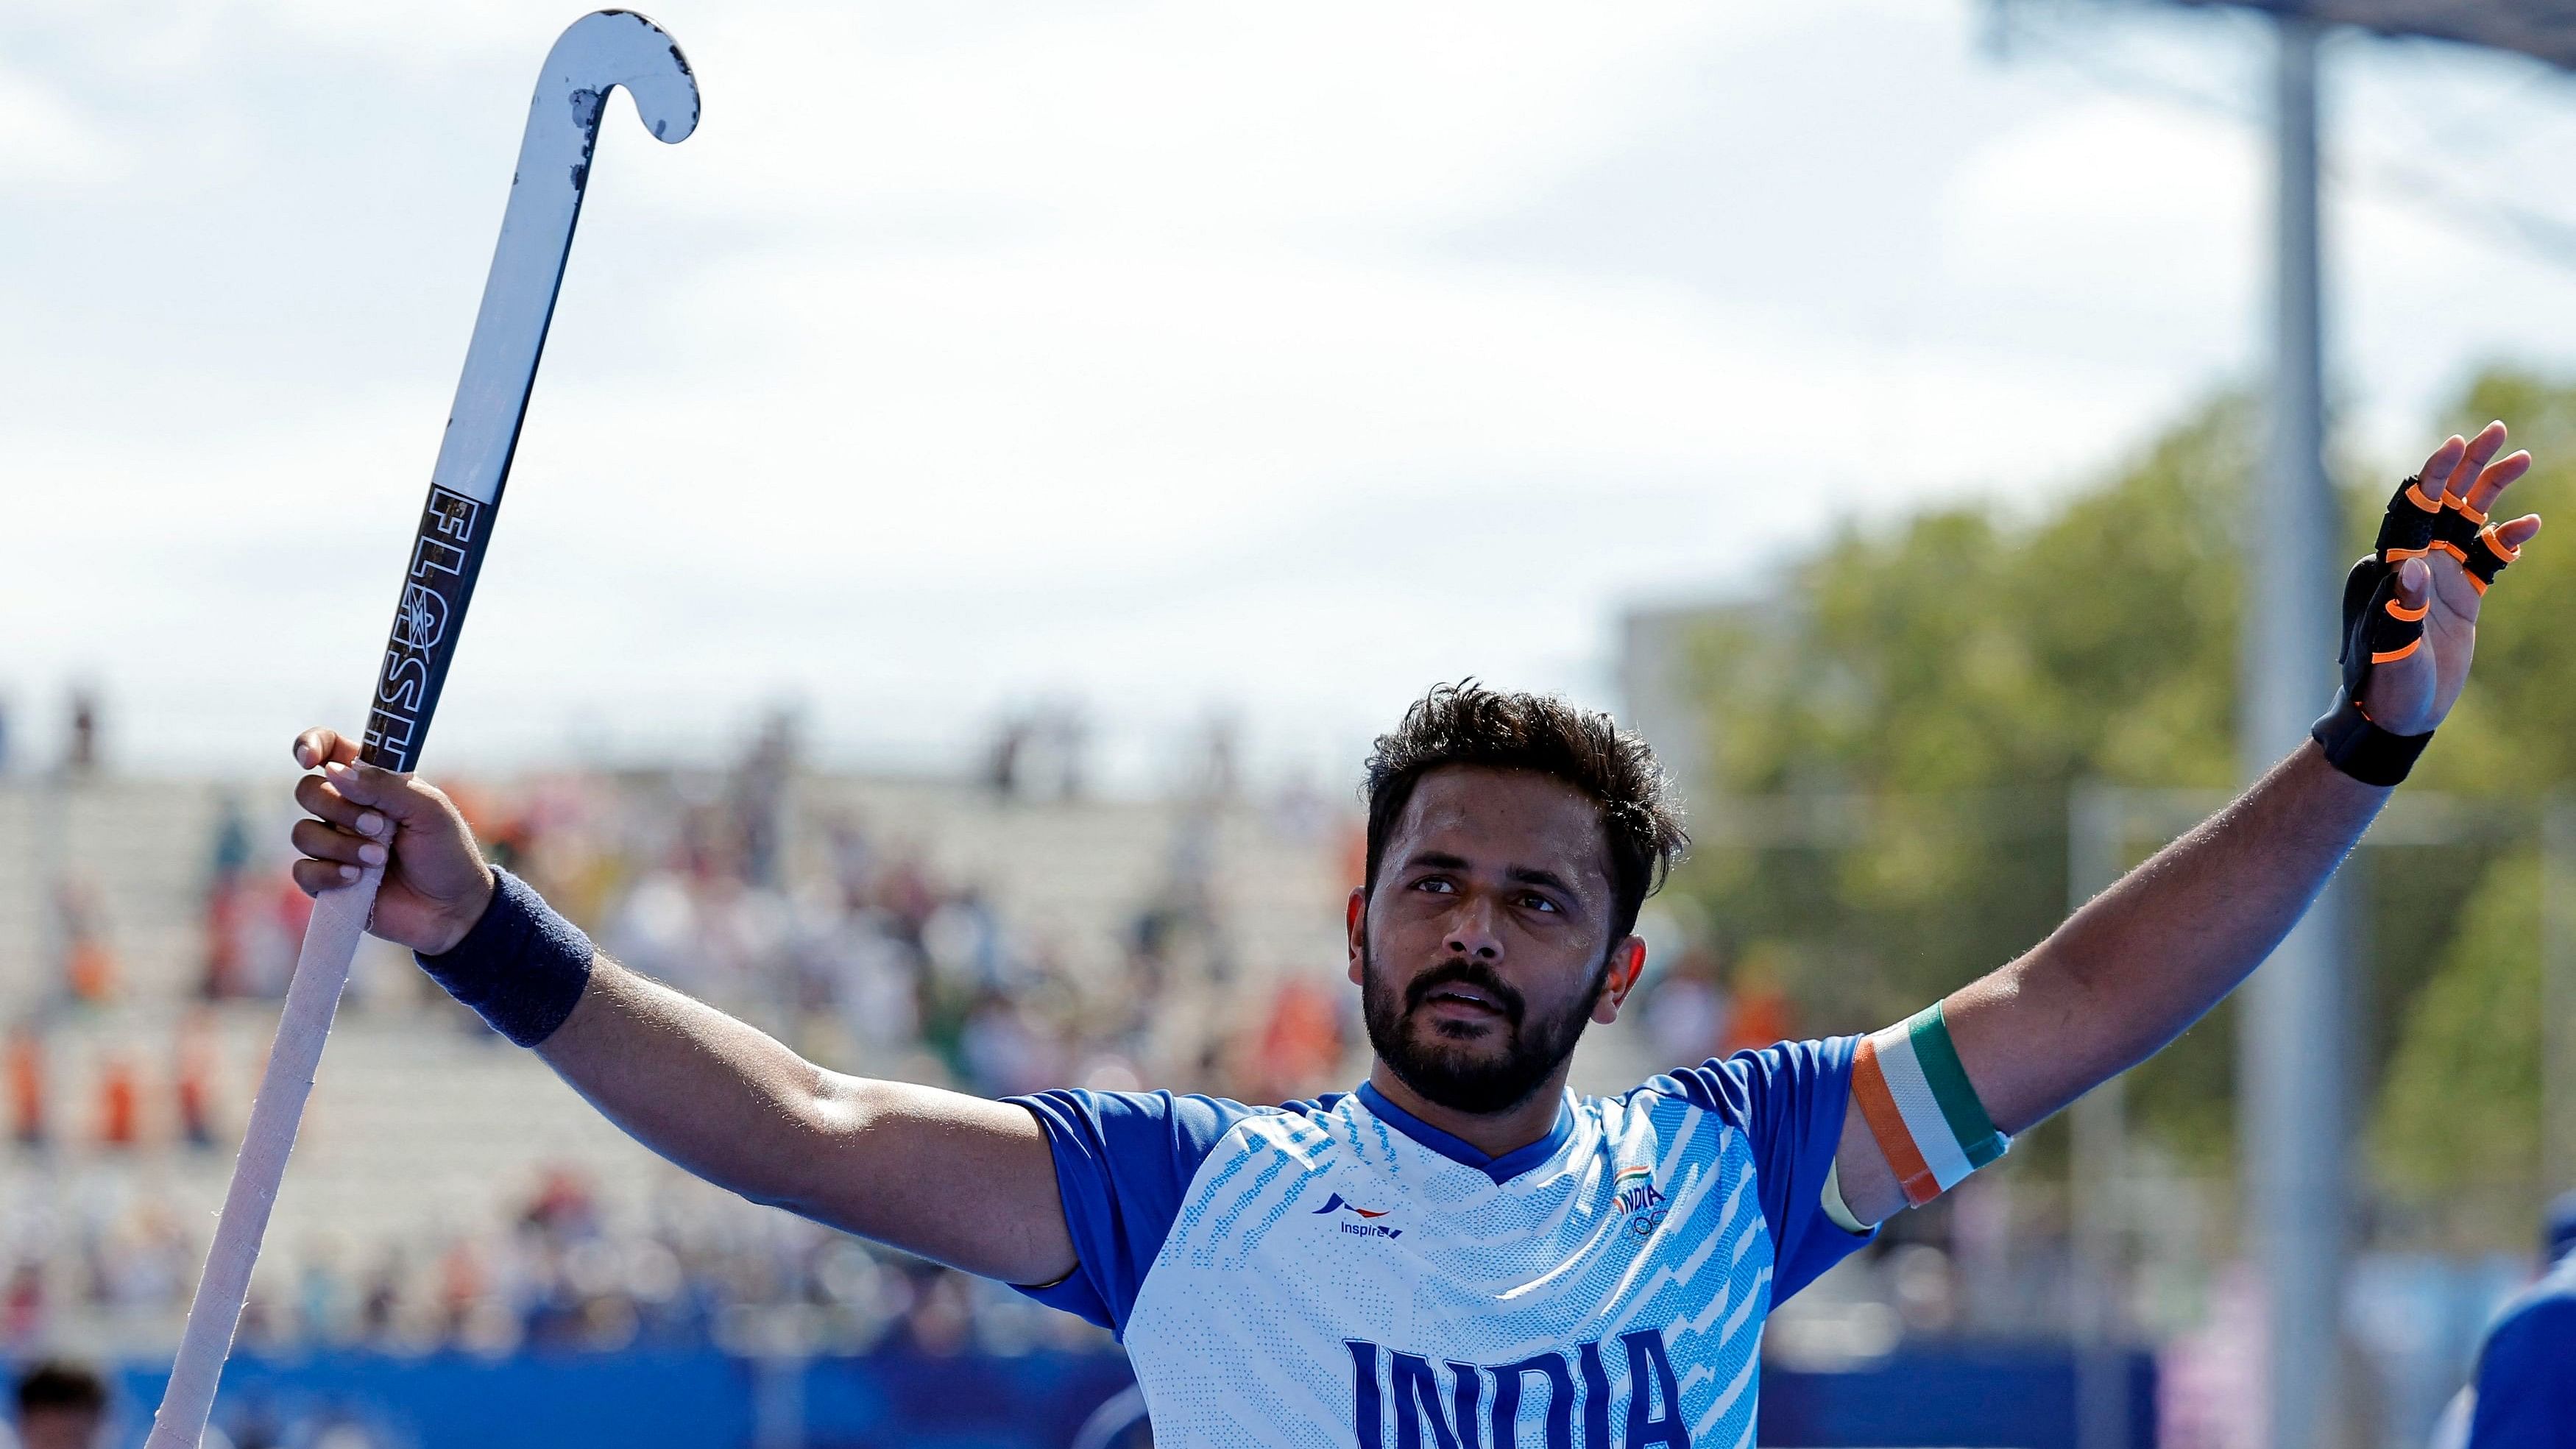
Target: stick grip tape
321	969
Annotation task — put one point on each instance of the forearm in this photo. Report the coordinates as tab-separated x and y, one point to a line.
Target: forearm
2139	963
714	1095
880	1159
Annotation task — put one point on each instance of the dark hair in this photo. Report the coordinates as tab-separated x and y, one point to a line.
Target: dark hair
58	1384
1467	724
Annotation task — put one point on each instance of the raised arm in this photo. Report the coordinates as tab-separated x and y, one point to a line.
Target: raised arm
886	1160
2145	959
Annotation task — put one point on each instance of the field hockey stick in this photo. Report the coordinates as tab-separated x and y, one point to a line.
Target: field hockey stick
598	53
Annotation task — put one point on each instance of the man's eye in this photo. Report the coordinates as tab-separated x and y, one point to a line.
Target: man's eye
1435	883
1538	903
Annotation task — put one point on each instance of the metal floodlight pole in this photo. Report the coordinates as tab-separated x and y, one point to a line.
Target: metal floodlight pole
2293	1039
2558	994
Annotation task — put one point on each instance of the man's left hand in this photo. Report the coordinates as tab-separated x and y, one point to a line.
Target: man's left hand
2410	696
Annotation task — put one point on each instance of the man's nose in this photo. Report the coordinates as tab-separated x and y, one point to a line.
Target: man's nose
1471	930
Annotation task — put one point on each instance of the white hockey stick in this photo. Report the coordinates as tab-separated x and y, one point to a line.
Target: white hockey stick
598	53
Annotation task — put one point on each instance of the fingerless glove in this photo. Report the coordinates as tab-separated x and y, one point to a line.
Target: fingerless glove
2378	629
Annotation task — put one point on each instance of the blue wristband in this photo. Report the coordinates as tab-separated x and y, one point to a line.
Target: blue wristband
522	967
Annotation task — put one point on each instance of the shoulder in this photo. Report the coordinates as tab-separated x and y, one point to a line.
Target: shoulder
2535	1332
2546	1311
1127	1165
1163	1136
2526	1380
1168	1129
1785	1105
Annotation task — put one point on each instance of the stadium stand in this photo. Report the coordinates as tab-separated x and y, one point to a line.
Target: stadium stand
448	1192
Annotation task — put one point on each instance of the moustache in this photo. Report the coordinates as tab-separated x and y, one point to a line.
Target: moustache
1457	972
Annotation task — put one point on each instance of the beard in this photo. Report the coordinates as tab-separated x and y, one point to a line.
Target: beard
1448	1069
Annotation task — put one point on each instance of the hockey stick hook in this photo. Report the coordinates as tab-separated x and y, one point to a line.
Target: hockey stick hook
610	48
596	54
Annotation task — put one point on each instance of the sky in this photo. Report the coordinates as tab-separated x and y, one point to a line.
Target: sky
1183	361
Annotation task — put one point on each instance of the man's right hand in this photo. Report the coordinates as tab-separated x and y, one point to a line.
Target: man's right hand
436	884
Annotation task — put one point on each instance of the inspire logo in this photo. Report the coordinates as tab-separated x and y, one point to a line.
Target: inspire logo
1364	1229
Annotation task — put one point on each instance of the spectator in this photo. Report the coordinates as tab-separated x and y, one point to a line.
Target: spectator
224	900
89	966
26	1066
1758	1006
83	756
1002	763
1688	1014
195	1070
1299	1049
61	1406
22	1304
117	1103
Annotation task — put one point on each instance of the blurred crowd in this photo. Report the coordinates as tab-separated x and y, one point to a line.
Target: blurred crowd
561	1272
780	902
842	936
850	942
691	1269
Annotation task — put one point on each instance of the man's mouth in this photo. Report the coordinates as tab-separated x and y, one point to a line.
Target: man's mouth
1471	999
1461	1000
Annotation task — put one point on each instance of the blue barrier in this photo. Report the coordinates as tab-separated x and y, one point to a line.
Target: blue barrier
540	1402
970	1402
1984	1397
701	1399
2021	1396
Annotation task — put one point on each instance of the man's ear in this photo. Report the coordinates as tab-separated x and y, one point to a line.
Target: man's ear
1627	963
1355	923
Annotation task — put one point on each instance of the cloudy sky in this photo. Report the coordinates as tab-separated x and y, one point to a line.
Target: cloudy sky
1181	359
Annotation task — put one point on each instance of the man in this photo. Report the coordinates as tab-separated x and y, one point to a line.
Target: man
1459	1253
60	1406
2525	1393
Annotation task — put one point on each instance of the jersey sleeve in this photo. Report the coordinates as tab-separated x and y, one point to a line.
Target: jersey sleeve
1123	1162
2526	1396
1789	1100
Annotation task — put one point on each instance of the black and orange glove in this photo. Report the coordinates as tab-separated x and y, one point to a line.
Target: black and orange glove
2437	517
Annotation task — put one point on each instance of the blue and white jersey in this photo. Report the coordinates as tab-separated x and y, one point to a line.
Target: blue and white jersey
1339	1273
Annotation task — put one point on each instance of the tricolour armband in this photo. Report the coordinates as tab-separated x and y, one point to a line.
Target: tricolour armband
1920	1107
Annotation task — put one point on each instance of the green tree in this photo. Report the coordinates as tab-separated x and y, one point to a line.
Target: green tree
2459	1108
1952	678
2460	1101
2516	726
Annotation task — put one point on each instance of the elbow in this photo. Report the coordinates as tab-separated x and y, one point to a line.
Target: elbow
821	1115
